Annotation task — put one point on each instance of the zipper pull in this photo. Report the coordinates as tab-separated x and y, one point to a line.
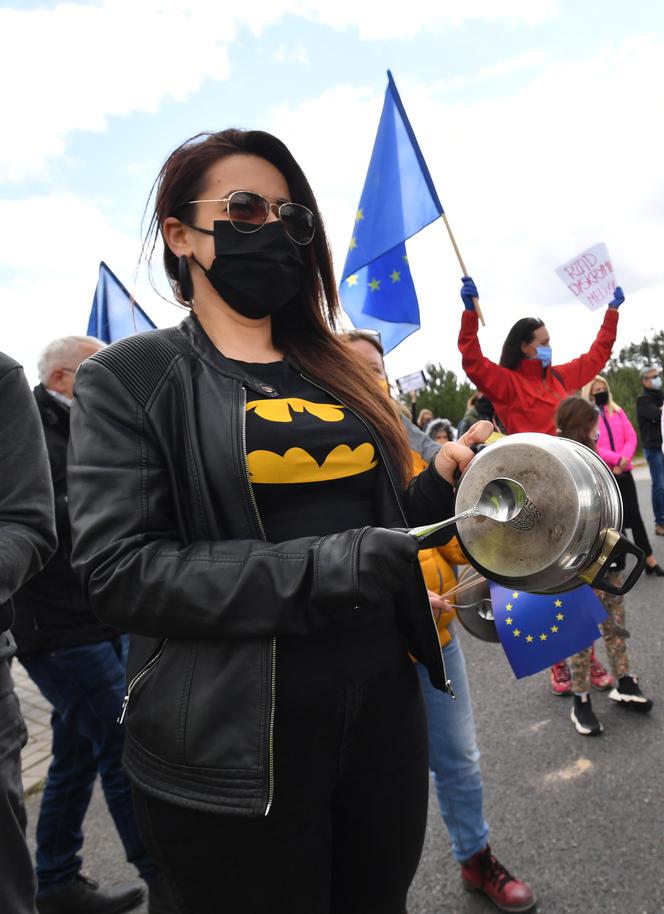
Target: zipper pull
449	689
123	709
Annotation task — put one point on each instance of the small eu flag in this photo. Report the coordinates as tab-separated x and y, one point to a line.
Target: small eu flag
398	200
114	313
538	630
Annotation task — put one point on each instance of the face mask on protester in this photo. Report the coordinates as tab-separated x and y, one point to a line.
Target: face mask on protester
601	398
656	383
543	353
257	273
384	385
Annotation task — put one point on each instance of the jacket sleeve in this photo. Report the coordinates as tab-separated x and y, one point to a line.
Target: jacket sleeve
27	527
629	436
581	371
142	578
648	409
430	498
493	380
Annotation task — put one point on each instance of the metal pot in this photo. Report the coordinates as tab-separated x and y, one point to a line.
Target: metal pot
567	534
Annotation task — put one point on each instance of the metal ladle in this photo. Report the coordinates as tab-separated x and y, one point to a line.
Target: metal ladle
501	500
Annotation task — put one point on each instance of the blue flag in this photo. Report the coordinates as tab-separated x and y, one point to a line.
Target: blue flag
398	200
538	630
114	314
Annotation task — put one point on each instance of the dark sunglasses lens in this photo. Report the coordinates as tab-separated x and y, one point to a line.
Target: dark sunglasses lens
298	221
247	211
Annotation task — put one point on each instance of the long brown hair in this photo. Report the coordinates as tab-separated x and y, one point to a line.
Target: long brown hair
575	417
305	330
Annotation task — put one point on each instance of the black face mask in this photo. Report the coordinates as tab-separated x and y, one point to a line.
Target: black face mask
258	272
601	398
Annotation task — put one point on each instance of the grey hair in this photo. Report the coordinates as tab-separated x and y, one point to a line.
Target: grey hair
63	353
647	370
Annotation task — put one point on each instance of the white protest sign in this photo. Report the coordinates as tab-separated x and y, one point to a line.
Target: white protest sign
589	276
411	382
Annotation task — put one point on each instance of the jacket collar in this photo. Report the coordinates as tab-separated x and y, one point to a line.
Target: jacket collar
205	349
52	412
532	368
656	395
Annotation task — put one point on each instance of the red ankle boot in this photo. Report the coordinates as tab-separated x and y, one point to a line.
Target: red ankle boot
483	873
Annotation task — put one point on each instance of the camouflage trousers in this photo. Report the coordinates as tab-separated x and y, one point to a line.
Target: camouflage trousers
579	664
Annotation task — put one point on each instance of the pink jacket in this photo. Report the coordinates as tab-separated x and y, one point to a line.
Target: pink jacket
624	438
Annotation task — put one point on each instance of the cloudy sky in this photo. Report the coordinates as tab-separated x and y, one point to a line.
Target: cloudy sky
541	121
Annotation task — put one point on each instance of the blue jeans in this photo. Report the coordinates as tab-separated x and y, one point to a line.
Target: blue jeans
86	686
454	757
655	459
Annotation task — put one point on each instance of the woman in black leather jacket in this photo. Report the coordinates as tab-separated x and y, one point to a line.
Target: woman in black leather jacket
233	485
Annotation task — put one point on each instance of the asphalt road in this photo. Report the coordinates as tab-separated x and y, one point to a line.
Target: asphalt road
581	819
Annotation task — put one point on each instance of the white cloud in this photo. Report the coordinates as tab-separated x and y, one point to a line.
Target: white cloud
292	54
378	19
51	260
527	180
74	66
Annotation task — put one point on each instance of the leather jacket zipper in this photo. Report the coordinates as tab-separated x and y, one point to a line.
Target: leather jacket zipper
154	659
376	440
273	645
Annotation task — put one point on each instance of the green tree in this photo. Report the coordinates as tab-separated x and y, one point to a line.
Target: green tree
444	394
650	351
623	371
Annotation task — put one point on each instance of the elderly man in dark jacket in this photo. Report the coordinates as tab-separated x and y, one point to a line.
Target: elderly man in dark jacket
649	415
27	540
78	663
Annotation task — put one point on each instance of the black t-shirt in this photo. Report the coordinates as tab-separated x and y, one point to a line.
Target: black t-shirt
312	462
313	467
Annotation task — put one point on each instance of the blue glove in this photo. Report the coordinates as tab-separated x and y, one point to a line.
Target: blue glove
469	292
618	298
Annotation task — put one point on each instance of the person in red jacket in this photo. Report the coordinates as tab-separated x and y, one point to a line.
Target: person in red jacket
525	388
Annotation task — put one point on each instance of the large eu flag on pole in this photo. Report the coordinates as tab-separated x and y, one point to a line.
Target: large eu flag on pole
398	200
537	630
114	313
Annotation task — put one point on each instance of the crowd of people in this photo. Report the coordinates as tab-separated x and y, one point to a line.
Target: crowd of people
202	537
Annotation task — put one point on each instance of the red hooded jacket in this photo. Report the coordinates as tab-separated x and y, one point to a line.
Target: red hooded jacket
526	397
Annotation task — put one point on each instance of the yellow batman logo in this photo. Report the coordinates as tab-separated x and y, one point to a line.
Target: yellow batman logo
282	410
298	466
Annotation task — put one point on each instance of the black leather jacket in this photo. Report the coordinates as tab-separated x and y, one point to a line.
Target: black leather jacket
168	541
649	416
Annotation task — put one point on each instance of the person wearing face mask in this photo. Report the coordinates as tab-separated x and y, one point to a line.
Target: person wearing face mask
526	387
454	755
240	496
649	415
578	420
616	446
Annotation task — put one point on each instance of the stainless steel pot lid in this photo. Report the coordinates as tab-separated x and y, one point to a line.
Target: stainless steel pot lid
567	507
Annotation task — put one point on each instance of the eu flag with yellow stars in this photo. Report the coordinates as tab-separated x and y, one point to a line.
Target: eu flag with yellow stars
114	313
398	200
538	630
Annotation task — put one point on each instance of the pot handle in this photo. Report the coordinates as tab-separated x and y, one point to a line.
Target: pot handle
621	548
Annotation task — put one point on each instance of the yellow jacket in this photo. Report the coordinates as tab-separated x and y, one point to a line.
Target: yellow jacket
437	564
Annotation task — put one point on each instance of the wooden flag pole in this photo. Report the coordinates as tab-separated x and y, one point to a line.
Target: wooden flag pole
476	301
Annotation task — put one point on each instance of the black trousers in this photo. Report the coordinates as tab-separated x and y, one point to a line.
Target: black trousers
17	878
345	833
632	519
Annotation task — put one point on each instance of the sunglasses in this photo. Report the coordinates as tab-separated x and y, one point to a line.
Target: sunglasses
248	212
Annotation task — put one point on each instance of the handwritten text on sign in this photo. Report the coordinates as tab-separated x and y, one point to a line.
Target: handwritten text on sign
590	277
